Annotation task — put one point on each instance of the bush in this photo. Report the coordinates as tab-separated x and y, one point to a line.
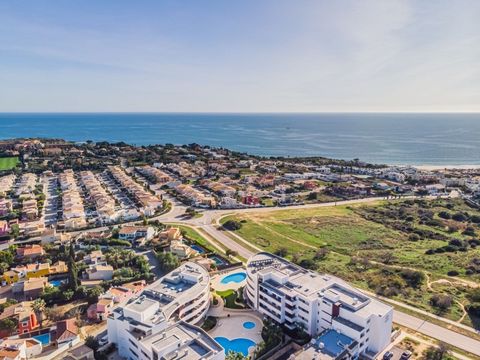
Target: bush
469	231
441	301
232	225
459	217
444	215
453	273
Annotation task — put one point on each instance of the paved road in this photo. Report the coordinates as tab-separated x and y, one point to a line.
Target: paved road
437	332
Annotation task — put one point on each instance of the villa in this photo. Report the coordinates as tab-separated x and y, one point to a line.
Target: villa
293	296
23	315
30	251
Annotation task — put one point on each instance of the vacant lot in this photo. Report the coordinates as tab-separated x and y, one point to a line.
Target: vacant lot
403	249
8	163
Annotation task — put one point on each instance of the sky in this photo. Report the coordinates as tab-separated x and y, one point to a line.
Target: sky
239	56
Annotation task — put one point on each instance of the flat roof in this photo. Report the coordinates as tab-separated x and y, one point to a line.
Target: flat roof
165	295
328	345
182	340
290	279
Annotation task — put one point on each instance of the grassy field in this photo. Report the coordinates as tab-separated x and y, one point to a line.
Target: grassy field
8	163
372	247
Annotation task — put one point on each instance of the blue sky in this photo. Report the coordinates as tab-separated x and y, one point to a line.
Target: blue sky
240	56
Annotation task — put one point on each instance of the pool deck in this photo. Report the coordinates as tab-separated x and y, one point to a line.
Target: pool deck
218	286
231	327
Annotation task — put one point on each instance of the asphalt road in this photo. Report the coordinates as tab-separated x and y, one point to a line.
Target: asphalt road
437	332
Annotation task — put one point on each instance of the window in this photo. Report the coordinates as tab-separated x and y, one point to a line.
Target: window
24	323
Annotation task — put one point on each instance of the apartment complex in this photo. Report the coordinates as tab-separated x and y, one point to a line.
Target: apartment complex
155	324
319	303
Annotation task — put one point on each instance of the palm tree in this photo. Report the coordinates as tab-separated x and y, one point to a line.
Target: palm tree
38	307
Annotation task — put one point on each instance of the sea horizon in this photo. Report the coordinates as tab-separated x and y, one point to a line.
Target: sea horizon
393	138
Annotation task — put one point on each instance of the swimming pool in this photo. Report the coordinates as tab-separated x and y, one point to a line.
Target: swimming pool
236	278
218	260
44	338
198	249
56	283
248	324
240	345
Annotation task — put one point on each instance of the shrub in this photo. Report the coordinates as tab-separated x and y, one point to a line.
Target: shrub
459	217
232	225
441	301
444	215
469	231
453	273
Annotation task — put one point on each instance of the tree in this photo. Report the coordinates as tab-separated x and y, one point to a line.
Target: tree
8	325
232	355
15	230
38	307
232	225
92	343
439	352
167	261
231	253
441	301
73	281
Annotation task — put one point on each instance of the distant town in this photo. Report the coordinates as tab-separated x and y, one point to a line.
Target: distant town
116	251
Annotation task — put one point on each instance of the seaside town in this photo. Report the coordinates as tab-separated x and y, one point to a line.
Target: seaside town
115	251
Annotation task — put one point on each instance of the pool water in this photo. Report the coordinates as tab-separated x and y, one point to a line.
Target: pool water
198	249
44	338
56	283
248	324
240	345
236	278
218	260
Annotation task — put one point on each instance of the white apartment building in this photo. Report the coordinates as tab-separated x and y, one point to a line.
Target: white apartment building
165	307
291	295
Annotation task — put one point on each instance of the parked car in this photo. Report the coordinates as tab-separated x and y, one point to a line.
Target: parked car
406	355
388	355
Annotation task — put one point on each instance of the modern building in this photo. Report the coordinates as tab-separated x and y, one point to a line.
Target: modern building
295	297
183	294
179	341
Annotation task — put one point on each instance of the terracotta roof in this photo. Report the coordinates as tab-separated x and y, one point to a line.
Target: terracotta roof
9	353
66	330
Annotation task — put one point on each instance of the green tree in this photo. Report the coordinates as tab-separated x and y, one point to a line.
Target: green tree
92	343
232	355
167	261
8	325
38	307
73	281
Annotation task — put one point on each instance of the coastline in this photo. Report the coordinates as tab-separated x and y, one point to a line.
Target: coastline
446	167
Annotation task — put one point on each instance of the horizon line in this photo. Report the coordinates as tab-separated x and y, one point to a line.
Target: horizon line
235	113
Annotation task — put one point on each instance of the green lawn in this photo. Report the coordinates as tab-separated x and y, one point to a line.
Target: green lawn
8	163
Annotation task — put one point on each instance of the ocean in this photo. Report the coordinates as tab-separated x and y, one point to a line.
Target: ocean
416	139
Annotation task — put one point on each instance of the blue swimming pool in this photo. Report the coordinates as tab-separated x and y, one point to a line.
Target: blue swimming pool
240	345
198	249
218	260
236	278
248	324
44	338
56	283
